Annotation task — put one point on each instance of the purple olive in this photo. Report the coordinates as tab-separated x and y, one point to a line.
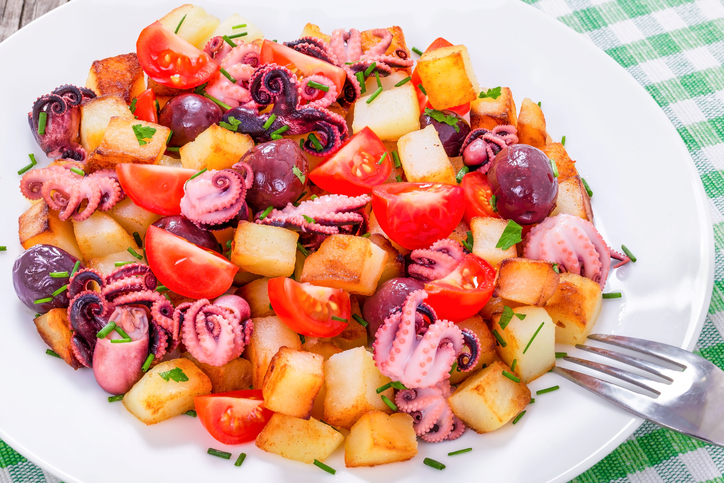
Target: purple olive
32	280
188	115
389	295
276	182
451	133
181	226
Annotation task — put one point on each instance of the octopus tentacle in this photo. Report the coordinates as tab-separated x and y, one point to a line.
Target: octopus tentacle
87	314
62	122
240	62
327	213
311	94
467	360
110	188
433	418
81	280
313	47
214	197
481	145
437	261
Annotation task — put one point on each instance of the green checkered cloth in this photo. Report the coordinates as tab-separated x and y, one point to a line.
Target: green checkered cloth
675	49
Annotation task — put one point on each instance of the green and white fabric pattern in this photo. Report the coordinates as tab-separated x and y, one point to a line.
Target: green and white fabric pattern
675	49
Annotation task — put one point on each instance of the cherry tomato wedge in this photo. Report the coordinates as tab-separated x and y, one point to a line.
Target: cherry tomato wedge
360	164
172	61
158	189
477	196
233	417
415	215
422	98
301	64
308	309
185	268
146	106
464	291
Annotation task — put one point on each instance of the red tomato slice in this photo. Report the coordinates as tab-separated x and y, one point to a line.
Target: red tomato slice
158	189
233	417
146	106
477	196
172	61
308	309
422	98
415	215
463	292
301	64
185	268
356	168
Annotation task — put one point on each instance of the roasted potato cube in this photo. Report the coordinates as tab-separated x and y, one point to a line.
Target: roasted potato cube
132	217
397	48
297	439
169	161
41	225
530	342
489	112
163	91
354	335
266	250
227	28
154	398
574	308
215	148
448	77
391	115
120	75
378	438
269	335
348	398
388	82
106	264
235	375
55	331
292	382
121	144
488	354
423	158
100	235
395	265
486	234
256	293
349	262
326	349
495	306
566	166
487	400
532	125
573	199
311	30
95	116
529	282
197	24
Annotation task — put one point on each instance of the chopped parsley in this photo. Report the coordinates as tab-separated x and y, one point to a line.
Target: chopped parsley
232	125
493	93
143	132
439	116
176	374
511	235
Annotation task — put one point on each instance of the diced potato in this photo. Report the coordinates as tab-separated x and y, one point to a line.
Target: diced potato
154	399
566	166
132	217
266	250
169	161
395	265
348	398
531	125
292	382
311	30
391	115
120	75
323	347
448	77
573	199
256	294
487	400
529	282
495	306
107	263
531	342
197	24
269	335
227	28
121	145
41	225
215	148
349	262
397	45
55	331
387	82
95	116
354	335
297	439
574	308
489	112
235	375
378	438
423	158
488	354
486	234
100	235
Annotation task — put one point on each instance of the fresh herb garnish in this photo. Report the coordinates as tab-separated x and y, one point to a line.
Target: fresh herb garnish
384	155
554	167
228	40
494	203
58	274
280	131
133	106
556	269
236	36
75	268
135	253
162	288
534	336
493	93
43	300
216	101
33	162
548	389
51	352
379	82
42	121
468	242
360	320
326	468
266	212
137	239
301	248
417	51
78	171
232	125
121	341
120	264
612	295
422	89
142	133
628	253
440	116
318	86
240	26
374	96
309	219
361	79
563	140
240	459
396	384
198	173
398	178
340	319
177	374
515	363
298	173
369	69
396	159
389	403
460	451
403	81
561	355
315	142
301	337
434	464
60	290
588	188
179	24
463	171
510	376
499	338
517	418
510	236
115	398
269	121
220	454
539	103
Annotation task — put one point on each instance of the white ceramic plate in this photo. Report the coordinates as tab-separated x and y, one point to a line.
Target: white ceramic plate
647	196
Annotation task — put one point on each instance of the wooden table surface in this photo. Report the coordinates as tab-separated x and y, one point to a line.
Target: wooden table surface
15	14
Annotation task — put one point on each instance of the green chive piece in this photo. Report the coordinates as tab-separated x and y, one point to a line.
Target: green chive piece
515	363
326	468
199	173
505	317
563	140
468	242
58	274
51	352
361	79
173	149
396	158
42	301
179	24
517	418
612	295
360	320
384	155
384	388
494	203
309	219
389	403
138	240
200	89
170	134
147	363
240	459
240	26
298	173
561	355
135	253
296	203
318	86
120	264
398	178
236	36
460	451
511	235
422	89
628	253
167	297
554	167
510	376
301	143
269	121
220	454
266	212
463	171
121	341
548	389
534	335
302	249
226	74
122	333
453	368
532	400
281	130
374	95
60	290
403	81
377	76
75	268
417	51
276	137
315	142
500	339
588	188
161	288
369	69
340	319
366	235
115	398
132	107
313	197
216	101
434	464
33	162
556	269
42	121
191	413
539	103
228	40
4	249
106	330
78	171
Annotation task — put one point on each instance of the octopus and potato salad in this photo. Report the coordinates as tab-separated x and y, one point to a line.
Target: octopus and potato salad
308	244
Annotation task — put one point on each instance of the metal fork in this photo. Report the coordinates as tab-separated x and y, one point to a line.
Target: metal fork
688	399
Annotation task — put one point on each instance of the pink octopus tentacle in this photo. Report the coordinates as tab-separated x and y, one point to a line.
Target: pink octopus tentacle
381	47
85	191
482	145
309	93
433	418
214	197
328	212
437	261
